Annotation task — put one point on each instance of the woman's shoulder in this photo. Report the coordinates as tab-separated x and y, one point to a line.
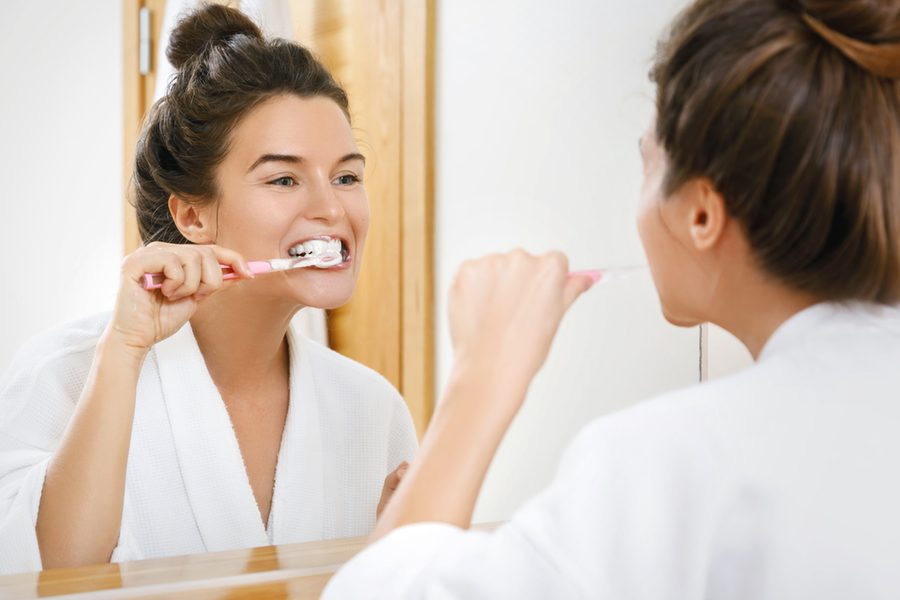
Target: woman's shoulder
57	356
727	425
671	417
695	427
75	337
46	376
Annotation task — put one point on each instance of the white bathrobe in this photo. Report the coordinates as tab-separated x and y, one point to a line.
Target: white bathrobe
782	482
187	490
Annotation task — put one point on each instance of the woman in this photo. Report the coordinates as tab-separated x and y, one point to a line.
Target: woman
770	206
157	430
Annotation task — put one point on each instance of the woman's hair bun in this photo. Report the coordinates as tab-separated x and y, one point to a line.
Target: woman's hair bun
865	31
204	28
868	21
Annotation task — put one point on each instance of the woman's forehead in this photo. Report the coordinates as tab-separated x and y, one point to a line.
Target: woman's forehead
290	125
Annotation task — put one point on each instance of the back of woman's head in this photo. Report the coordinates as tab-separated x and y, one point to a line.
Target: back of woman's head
792	109
225	68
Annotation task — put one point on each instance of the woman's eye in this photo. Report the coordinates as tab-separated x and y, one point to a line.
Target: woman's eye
284	181
346	179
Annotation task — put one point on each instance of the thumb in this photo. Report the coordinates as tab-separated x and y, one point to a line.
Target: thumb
576	284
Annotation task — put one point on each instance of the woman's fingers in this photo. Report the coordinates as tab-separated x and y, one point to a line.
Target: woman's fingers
510	305
211	273
393	479
190	264
189	273
391	482
233	260
188	270
575	286
551	271
172	270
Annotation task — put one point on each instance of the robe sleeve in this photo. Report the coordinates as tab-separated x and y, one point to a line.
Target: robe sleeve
22	472
629	515
37	398
402	442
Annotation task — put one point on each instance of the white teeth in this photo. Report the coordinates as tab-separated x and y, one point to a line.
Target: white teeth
319	247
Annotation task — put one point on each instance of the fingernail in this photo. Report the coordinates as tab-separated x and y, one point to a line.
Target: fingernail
594	276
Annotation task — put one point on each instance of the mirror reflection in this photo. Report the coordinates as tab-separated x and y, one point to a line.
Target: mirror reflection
234	407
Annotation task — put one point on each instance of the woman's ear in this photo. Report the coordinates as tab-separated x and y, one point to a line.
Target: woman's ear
193	221
707	215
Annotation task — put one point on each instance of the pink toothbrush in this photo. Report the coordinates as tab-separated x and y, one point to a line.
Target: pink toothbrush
611	274
154	281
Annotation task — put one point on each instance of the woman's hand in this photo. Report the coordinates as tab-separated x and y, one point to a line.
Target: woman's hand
505	310
390	486
144	317
81	504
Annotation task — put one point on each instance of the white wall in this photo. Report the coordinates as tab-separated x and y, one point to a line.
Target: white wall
539	109
60	163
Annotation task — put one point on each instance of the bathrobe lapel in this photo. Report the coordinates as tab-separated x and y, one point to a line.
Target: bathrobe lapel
212	468
298	501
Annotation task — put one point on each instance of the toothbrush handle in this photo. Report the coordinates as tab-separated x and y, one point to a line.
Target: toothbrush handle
610	274
154	281
594	274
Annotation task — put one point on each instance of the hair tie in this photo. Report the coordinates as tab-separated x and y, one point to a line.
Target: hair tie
882	60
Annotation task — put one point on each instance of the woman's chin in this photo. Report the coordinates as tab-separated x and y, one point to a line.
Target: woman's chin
320	289
327	297
679	320
324	303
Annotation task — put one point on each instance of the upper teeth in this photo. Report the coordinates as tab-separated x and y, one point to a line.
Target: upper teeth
316	247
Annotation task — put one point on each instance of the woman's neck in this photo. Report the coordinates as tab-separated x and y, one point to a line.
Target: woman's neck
755	306
243	338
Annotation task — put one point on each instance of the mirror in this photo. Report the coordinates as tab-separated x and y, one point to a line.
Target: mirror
508	124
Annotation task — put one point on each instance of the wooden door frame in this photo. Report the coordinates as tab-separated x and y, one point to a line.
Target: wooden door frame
409	338
417	210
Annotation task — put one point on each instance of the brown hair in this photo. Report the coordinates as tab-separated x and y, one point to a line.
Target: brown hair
225	68
792	109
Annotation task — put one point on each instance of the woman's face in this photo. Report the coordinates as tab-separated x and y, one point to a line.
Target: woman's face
663	227
293	173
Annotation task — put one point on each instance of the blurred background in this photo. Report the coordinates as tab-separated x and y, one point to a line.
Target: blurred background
488	125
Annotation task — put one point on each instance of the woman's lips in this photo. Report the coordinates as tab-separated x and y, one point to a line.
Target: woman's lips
338	267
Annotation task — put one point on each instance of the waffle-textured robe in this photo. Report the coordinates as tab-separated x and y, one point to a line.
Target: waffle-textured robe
187	489
780	482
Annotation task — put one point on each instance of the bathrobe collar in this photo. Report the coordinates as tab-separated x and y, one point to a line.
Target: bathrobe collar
795	328
209	456
801	327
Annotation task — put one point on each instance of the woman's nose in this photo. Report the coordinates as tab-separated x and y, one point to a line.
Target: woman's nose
322	203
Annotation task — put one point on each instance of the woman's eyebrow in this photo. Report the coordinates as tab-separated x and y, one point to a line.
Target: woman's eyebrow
288	158
353	156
